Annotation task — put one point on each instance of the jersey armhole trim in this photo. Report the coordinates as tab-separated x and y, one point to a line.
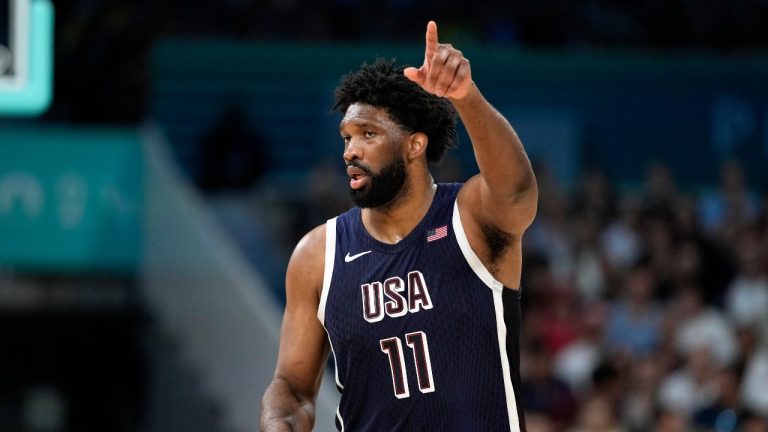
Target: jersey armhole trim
509	388
330	255
472	259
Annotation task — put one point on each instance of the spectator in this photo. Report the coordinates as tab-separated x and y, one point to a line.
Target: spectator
634	321
755	382
723	413
542	392
661	192
659	235
701	260
597	415
671	421
747	296
589	264
639	403
691	387
596	196
536	422
549	235
555	322
608	382
726	211
702	327
620	241
574	363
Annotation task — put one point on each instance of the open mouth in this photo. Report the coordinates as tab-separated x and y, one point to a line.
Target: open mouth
357	177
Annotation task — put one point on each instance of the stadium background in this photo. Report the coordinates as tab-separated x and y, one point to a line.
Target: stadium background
146	217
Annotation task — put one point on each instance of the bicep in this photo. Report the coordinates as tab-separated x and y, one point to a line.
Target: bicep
304	345
512	214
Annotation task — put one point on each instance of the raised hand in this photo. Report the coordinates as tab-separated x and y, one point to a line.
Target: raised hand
445	72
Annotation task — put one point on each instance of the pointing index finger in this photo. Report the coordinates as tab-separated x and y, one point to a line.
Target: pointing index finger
431	40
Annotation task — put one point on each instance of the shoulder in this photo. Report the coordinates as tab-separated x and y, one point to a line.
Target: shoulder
312	241
307	263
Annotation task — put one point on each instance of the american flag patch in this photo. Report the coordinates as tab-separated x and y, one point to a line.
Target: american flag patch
437	233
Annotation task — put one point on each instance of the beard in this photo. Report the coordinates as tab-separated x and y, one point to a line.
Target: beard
384	189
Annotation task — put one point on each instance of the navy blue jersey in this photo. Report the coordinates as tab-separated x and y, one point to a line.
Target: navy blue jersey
423	336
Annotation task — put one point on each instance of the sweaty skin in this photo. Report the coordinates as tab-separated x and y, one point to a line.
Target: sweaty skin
496	206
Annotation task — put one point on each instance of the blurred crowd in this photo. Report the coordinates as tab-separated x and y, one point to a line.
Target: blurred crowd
646	308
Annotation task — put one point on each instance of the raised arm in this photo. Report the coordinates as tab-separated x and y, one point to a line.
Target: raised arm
289	402
504	194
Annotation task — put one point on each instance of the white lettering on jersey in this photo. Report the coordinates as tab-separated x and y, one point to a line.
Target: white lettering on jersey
418	294
395	297
373	302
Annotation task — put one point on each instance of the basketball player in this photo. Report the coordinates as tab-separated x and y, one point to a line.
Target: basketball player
416	290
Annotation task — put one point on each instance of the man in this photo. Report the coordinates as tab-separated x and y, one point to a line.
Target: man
416	290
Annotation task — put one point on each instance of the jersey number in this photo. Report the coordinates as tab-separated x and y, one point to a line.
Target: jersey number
393	348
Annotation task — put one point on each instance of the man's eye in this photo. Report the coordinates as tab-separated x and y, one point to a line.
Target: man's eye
346	139
369	134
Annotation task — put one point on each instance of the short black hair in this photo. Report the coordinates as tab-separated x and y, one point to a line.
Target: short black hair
382	84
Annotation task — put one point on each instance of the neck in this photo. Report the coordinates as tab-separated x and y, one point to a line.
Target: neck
391	223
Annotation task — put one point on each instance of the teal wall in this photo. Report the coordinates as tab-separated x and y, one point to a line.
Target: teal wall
70	199
616	110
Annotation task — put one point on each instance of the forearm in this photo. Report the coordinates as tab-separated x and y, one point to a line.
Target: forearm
500	155
283	409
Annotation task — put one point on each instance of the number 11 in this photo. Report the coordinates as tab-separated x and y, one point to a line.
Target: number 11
393	348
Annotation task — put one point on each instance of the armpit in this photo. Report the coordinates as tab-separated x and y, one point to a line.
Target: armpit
498	243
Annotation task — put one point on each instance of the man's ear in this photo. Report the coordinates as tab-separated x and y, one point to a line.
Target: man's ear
417	145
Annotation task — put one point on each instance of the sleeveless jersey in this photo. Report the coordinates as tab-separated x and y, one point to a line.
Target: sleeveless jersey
423	336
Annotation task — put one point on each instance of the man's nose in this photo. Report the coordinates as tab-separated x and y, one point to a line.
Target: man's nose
353	151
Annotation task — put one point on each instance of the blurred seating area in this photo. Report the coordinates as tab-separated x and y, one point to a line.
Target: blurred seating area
646	310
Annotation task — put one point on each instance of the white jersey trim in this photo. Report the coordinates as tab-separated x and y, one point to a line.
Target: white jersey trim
335	363
330	255
470	255
509	390
341	420
498	304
